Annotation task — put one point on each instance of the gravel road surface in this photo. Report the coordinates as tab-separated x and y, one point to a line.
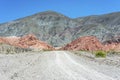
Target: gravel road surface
54	65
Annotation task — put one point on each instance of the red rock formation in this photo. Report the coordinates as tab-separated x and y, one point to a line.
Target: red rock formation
9	40
112	47
89	43
27	41
113	44
32	42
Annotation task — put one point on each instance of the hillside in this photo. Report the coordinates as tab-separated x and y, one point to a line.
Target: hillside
91	43
26	42
87	43
58	30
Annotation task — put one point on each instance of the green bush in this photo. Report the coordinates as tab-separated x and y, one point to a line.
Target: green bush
100	54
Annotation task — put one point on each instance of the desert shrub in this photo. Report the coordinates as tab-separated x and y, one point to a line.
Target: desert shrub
100	54
46	50
113	52
20	50
8	49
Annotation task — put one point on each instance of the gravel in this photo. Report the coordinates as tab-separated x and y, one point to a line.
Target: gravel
55	65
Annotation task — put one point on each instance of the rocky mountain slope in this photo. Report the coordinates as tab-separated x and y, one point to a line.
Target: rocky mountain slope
58	30
105	27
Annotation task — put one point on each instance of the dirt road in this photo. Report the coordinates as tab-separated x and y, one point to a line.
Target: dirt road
53	65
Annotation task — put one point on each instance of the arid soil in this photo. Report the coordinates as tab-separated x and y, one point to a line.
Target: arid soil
54	65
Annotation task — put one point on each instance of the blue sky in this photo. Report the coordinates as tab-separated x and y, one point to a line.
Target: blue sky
14	9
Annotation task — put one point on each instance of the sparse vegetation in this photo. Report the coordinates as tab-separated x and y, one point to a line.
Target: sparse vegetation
8	49
112	52
100	54
46	50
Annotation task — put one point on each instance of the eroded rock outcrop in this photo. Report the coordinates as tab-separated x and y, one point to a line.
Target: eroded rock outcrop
114	44
91	43
87	43
27	41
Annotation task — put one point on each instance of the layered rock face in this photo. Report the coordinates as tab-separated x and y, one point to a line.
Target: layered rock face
113	44
88	43
91	43
27	41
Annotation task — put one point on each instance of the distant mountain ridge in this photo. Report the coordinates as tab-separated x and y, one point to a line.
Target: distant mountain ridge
58	30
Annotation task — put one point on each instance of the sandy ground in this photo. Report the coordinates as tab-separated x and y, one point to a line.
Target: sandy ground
54	65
